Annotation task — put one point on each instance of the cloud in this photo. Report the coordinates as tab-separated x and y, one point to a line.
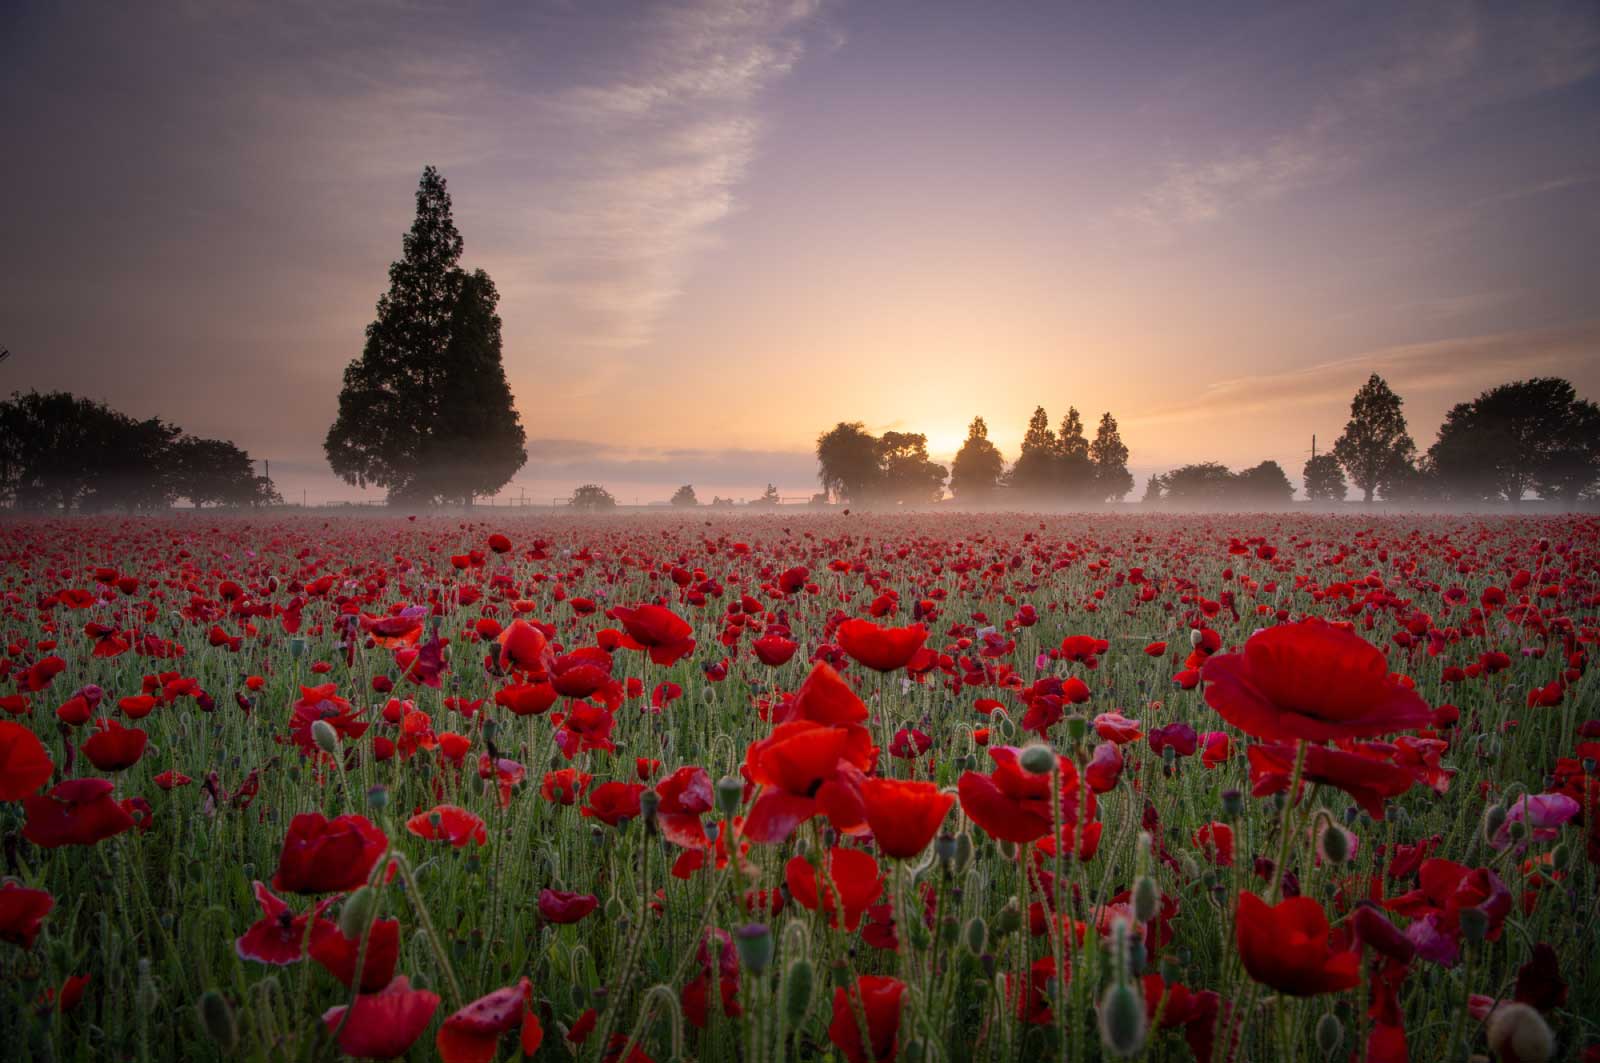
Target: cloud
1453	369
1441	64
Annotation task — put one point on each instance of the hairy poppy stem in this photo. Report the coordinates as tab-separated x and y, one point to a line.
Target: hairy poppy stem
421	911
1283	822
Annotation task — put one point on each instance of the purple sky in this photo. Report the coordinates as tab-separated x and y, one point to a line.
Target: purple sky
718	227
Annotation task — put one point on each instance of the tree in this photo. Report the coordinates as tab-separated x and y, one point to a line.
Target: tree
1035	470
215	472
1110	456
1374	446
684	496
847	462
1264	485
1324	479
1075	472
426	411
593	498
768	498
62	452
1152	490
1531	435
978	466
906	475
1205	483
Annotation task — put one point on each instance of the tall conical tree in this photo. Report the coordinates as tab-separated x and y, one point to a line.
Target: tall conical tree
1074	471
426	411
1110	456
1035	469
1375	448
977	467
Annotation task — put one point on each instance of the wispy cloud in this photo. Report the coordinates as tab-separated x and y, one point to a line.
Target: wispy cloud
1445	63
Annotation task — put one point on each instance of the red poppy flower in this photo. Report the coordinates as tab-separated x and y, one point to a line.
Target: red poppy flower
337	953
74	812
823	698
1104	768
904	816
1215	842
559	906
527	699
279	936
1181	1008
774	650
328	856
581	673
384	1025
449	823
41	674
323	703
799	769
1311	681
659	631
24	764
1013	804
523	647
1369	781
878	996
856	884
586	727
696	991
1285	947
22	911
114	747
499	543
613	802
685	795
883	649
564	787
472	1035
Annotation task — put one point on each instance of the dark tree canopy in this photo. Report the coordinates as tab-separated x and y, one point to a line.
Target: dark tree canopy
1264	485
1110	456
426	411
1205	483
1531	435
1035	470
1375	448
906	475
684	496
978	465
592	497
847	462
1324	479
61	452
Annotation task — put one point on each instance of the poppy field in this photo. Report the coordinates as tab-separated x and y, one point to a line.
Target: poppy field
822	786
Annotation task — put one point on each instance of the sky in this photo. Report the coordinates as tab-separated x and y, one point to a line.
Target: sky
718	227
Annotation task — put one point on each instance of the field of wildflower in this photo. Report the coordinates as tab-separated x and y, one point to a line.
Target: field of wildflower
798	787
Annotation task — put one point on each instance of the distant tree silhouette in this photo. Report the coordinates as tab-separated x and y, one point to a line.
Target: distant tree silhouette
1206	483
847	462
1152	490
426	411
684	496
592	497
978	466
62	452
768	498
1374	448
1264	485
1324	479
1035	470
1531	435
906	475
1110	456
1075	472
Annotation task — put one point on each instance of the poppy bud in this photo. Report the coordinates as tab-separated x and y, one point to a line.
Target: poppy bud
839	973
1009	919
378	797
1330	1034
963	852
1474	924
1146	899
1122	946
1171	970
1002	724
797	991
1517	1031
1008	849
613	908
1493	817
1039	760
1077	727
216	1015
1122	1021
326	738
976	935
649	802
730	792
1196	638
490	729
944	846
1333	844
916	1050
356	914
1232	803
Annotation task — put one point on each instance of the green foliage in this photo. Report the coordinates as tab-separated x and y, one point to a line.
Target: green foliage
855	466
1265	485
592	498
1324	479
1034	473
978	466
1110	456
1531	435
426	411
684	496
847	462
1374	449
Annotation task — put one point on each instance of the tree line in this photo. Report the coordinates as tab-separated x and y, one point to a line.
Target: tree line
1052	466
63	453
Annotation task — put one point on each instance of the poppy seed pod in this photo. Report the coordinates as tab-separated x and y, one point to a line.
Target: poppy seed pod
1493	818
976	935
1038	760
1077	727
1232	803
963	856
730	792
216	1015
378	797
1330	1035
1518	1031
1146	899
754	941
326	738
1009	919
1333	844
1122	1021
1001	723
